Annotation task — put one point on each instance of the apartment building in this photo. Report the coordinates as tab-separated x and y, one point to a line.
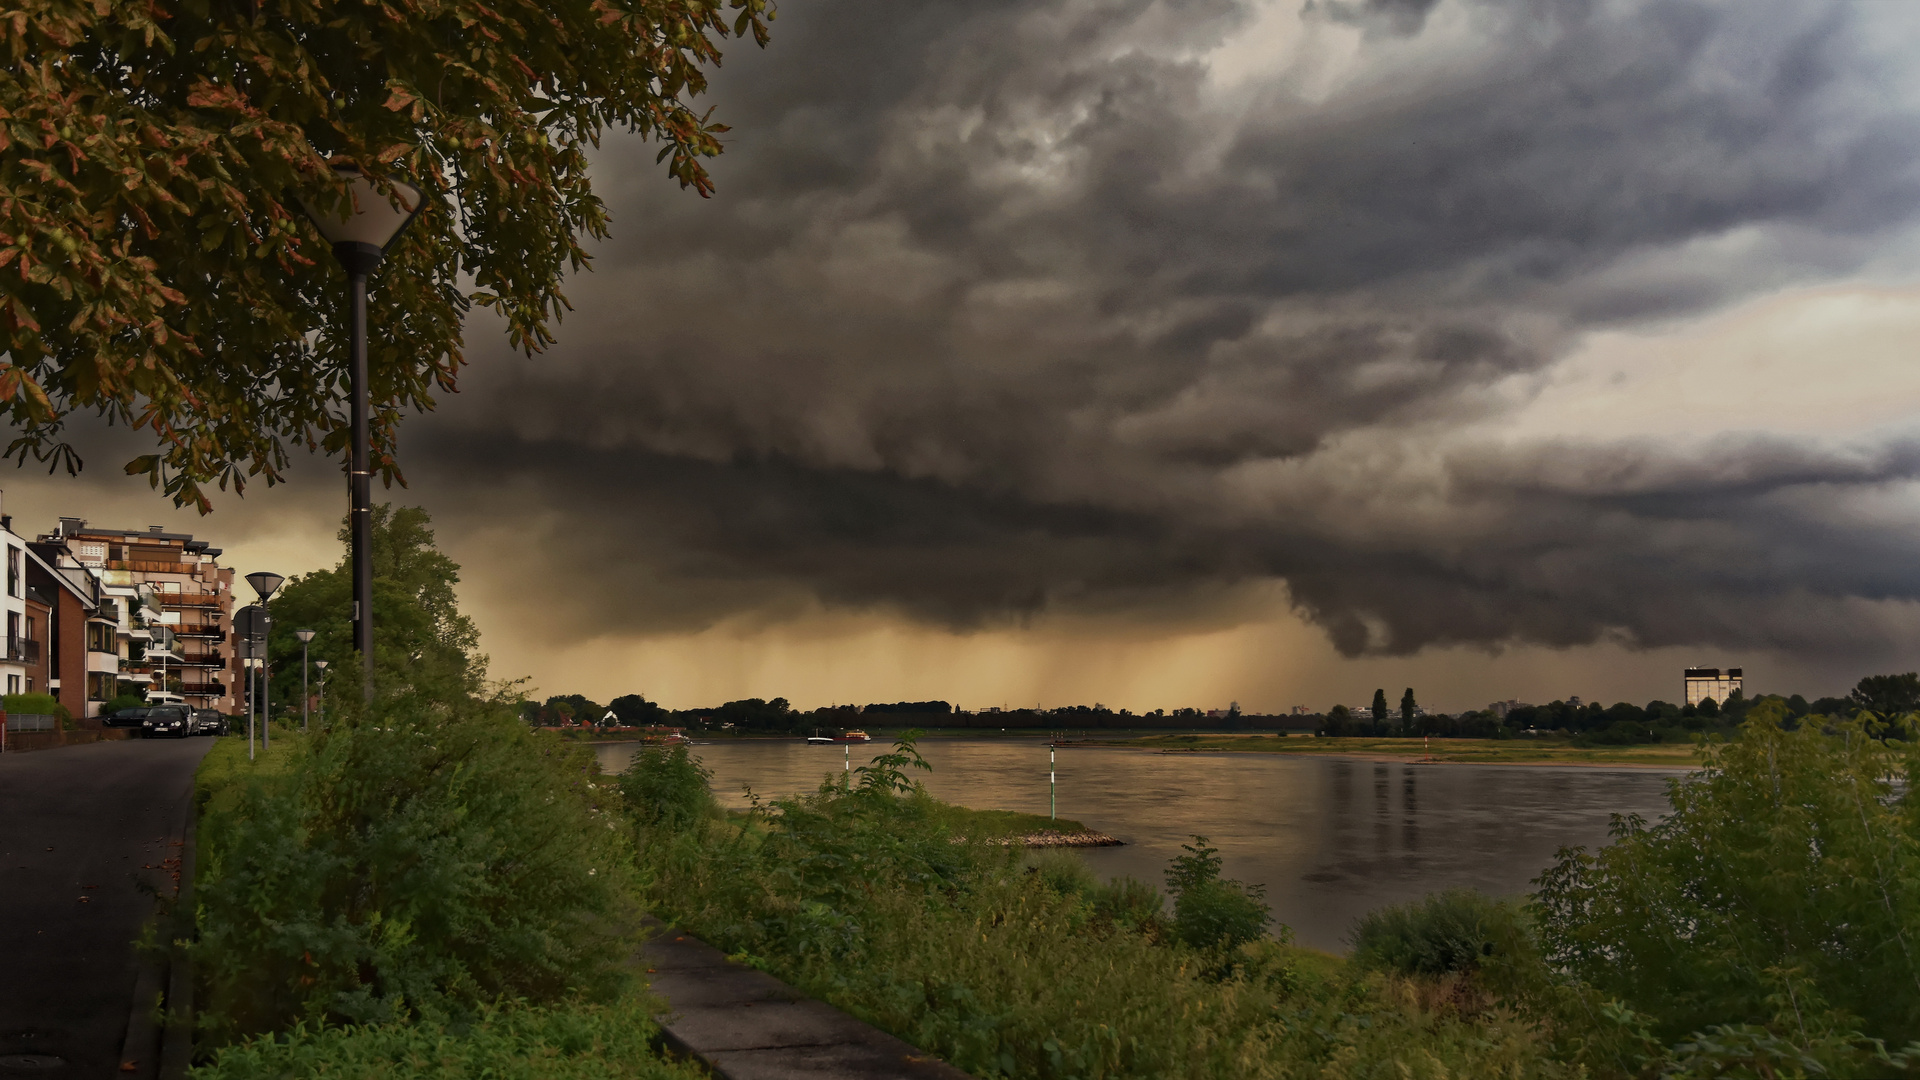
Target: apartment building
163	622
1701	683
21	655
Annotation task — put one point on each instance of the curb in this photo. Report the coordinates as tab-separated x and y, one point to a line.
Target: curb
176	1044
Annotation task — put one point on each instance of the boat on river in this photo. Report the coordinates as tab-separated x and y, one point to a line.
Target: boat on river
820	740
855	736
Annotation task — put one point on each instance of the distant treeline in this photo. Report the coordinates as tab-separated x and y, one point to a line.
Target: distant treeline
1620	723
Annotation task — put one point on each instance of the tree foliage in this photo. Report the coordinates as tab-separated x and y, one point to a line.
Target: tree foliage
154	265
418	628
1784	888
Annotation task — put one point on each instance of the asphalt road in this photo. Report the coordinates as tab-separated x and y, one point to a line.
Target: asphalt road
82	830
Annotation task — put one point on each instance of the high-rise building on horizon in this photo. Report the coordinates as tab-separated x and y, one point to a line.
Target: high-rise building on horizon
1701	683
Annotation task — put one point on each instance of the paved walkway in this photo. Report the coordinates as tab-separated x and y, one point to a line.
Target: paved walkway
82	830
744	1024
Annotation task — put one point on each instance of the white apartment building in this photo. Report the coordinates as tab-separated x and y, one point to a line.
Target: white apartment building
17	661
1702	683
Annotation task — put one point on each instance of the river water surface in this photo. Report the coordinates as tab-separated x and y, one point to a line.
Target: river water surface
1330	839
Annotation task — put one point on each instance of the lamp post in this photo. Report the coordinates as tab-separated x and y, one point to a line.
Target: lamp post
360	239
304	636
322	665
265	584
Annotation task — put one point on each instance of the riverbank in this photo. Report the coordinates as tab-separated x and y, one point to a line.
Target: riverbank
1545	750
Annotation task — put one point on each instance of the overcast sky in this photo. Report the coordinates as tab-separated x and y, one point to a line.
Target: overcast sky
1173	353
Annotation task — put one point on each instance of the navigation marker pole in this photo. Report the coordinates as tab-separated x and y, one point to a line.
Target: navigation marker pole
849	755
1053	785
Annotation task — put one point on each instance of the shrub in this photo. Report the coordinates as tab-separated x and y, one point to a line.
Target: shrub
578	1042
434	857
1783	889
124	701
1453	931
664	786
1063	872
1131	903
1209	912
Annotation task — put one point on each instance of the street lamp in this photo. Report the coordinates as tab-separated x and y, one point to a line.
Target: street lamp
360	239
322	665
304	636
265	584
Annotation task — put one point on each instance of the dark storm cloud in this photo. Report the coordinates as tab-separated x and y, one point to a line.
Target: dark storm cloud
1004	307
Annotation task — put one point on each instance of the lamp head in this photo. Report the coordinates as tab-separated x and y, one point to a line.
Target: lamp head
322	665
304	635
264	583
361	236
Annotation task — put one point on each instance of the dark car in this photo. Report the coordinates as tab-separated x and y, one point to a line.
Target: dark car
209	722
175	721
125	717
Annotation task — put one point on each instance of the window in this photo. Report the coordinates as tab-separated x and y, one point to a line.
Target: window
13	571
100	638
100	685
90	554
13	684
13	638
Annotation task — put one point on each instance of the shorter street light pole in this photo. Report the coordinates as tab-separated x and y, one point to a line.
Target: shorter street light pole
265	583
322	665
304	636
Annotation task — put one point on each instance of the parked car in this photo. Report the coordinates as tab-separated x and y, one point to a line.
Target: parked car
125	717
174	721
209	722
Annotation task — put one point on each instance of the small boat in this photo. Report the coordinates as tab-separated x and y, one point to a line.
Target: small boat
854	736
820	740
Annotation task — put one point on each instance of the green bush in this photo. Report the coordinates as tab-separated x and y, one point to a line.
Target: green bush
1131	903
124	701
665	786
1209	912
578	1042
1453	931
1783	890
436	856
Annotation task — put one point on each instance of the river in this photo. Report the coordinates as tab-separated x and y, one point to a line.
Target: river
1330	839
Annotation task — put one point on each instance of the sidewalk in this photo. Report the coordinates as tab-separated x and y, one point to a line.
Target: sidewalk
744	1024
87	838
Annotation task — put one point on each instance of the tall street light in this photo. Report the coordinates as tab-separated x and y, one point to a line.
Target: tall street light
265	584
360	239
304	636
322	665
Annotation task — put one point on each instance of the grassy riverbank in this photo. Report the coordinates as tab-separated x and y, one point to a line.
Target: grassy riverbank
1540	750
442	892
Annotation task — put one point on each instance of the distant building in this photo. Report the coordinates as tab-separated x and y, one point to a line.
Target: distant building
1301	710
1502	708
1711	682
164	623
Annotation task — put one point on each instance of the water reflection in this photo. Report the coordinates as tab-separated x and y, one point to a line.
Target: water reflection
1330	839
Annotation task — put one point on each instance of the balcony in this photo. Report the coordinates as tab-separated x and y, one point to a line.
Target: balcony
22	651
196	600
201	633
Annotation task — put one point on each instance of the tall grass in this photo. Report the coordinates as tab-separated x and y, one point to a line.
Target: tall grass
1006	966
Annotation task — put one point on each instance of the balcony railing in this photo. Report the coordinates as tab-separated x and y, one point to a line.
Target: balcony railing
23	651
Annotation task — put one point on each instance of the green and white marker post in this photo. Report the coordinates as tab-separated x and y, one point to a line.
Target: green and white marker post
1053	784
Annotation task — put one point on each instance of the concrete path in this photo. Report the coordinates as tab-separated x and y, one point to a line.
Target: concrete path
82	829
744	1024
